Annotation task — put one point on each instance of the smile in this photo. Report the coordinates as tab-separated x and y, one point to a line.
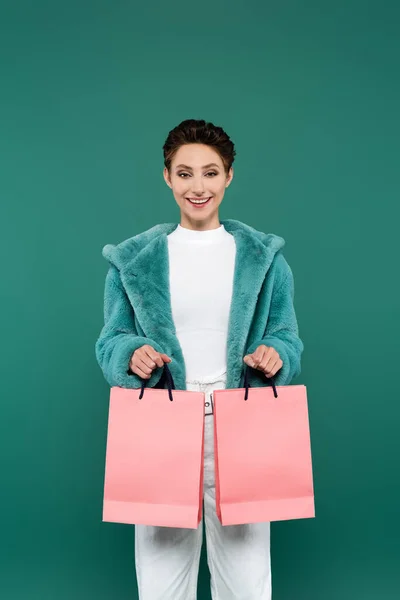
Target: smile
199	201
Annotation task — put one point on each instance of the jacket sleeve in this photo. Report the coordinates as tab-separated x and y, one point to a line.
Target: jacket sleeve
282	331
118	338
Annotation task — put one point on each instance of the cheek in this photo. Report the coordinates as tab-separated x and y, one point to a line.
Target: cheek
219	189
179	189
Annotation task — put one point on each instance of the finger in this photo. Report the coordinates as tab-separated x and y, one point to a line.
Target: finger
270	361
275	368
145	363
149	357
165	357
154	356
139	372
271	368
269	358
258	356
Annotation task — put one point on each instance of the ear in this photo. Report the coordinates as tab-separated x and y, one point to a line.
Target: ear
229	176
166	177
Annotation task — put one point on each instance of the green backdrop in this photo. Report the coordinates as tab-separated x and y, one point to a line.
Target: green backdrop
309	93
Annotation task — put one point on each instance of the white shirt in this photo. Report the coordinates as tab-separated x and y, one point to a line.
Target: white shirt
201	270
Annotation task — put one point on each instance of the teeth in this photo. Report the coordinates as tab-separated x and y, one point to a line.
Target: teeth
198	201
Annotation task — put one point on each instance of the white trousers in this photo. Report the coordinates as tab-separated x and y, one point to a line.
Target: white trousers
167	558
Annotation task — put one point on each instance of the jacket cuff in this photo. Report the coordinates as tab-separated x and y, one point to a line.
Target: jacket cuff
119	372
285	374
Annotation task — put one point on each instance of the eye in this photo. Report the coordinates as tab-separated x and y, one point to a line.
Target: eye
209	173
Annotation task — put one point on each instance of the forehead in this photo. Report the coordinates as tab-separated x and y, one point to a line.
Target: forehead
196	156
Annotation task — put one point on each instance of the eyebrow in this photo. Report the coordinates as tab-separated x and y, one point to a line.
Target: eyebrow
205	166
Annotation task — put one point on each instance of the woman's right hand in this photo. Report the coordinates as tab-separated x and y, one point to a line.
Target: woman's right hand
145	359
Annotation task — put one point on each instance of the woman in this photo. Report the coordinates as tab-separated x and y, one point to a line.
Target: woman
207	296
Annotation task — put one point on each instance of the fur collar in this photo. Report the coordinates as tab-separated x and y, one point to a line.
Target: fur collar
129	250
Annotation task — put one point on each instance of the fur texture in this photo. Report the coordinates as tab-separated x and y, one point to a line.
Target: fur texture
137	307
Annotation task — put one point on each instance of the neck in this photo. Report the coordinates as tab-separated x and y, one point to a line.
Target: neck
198	225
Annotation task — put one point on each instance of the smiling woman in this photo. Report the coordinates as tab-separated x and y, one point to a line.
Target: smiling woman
210	296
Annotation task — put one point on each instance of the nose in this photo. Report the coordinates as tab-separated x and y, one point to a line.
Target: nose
198	186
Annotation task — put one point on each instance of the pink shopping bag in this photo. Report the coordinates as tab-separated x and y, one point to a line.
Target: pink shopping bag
154	457
263	462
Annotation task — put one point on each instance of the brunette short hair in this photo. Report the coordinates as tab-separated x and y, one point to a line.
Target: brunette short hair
198	131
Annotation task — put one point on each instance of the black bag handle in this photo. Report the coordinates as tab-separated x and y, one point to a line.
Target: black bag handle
247	385
169	380
171	384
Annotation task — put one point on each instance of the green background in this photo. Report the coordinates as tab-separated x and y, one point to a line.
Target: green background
309	92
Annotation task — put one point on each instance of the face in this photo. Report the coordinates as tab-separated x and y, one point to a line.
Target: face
197	173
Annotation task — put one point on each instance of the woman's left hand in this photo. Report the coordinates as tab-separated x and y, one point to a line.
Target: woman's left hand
266	359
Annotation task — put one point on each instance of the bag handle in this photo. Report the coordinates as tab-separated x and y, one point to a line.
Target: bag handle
247	385
169	379
171	384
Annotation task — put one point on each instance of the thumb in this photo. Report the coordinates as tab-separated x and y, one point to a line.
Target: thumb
165	357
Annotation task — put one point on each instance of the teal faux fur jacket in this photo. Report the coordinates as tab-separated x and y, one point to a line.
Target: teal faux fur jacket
137	308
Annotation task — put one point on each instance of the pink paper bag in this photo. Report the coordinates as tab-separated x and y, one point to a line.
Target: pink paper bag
263	463
154	458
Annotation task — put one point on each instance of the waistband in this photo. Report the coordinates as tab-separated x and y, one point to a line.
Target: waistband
207	379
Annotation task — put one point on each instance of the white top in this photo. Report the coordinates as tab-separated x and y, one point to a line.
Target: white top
201	270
